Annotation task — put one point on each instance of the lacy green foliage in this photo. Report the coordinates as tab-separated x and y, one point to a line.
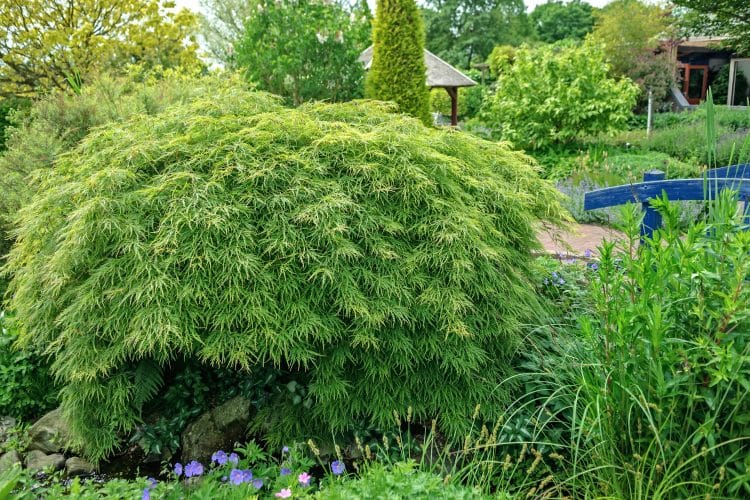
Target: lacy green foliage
384	263
27	390
57	122
554	95
398	70
304	49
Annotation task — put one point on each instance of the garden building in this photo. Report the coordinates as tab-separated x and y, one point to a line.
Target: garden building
704	62
440	74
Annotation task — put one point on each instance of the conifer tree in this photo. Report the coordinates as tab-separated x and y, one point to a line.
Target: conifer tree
398	70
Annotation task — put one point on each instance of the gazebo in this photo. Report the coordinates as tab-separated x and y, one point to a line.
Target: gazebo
440	74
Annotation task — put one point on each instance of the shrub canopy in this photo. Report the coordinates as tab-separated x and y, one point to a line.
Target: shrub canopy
381	263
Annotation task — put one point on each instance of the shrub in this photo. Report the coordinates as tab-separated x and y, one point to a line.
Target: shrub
27	390
385	264
398	71
554	95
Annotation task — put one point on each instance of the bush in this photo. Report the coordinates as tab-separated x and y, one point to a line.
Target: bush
555	95
385	264
27	390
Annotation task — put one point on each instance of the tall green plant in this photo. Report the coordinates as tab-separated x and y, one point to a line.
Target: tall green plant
398	71
382	263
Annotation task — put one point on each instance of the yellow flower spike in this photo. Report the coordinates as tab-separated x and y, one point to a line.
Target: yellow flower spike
314	449
396	418
476	412
408	414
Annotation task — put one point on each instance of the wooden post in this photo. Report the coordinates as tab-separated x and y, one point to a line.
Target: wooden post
651	218
649	120
453	92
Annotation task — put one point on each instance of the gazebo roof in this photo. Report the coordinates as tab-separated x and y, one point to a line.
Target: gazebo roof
439	72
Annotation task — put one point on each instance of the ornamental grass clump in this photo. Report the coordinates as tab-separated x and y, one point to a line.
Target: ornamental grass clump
379	263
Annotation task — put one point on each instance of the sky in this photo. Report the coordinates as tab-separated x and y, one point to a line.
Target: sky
530	4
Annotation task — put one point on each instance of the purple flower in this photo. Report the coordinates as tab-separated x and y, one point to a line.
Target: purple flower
338	467
258	484
554	274
152	482
193	469
236	477
546	281
220	457
594	266
285	493
285	449
587	253
304	479
146	494
562	281
247	476
285	471
233	458
178	469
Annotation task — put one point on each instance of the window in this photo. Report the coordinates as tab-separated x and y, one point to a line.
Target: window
739	82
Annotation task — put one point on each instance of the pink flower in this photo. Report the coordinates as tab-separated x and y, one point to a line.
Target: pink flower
285	493
304	479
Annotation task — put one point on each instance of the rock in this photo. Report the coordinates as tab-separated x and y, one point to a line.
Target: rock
39	461
217	429
8	460
51	433
76	466
6	428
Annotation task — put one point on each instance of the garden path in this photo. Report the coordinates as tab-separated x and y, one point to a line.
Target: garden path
578	239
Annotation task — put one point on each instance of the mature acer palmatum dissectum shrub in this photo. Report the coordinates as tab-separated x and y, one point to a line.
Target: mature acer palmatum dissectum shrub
382	263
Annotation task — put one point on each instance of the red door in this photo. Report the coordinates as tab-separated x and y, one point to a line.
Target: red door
694	82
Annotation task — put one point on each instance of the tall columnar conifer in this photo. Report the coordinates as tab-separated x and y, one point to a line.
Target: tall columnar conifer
398	71
378	263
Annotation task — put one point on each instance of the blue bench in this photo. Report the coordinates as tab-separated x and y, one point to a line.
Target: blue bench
654	184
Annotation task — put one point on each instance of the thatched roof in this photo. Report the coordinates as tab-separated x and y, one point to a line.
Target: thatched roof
439	72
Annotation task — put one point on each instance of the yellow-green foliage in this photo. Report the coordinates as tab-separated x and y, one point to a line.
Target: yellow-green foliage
398	71
384	263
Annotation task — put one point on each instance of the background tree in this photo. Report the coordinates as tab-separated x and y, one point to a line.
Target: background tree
632	34
43	43
721	17
465	31
398	71
304	49
556	94
556	20
222	24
